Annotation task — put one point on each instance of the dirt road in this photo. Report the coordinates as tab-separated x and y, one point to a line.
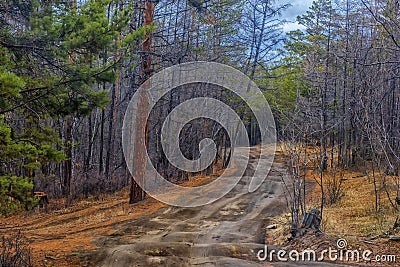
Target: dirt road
228	232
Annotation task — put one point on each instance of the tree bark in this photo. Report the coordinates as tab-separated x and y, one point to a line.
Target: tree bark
139	158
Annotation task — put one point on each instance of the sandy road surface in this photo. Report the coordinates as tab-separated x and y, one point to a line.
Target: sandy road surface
228	232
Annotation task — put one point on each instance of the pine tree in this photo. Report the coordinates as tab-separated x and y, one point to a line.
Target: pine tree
50	56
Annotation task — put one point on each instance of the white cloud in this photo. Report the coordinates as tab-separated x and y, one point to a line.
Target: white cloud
298	7
292	26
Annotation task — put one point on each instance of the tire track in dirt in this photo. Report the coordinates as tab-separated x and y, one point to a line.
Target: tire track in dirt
228	232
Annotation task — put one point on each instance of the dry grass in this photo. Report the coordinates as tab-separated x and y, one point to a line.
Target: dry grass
353	217
355	212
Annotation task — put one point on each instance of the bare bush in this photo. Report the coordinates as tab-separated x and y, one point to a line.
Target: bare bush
295	190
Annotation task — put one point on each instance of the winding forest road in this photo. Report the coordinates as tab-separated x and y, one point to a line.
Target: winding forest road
228	232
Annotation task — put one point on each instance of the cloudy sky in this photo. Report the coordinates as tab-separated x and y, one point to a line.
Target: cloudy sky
298	8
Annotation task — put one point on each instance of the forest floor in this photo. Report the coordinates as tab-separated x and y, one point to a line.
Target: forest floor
58	237
107	231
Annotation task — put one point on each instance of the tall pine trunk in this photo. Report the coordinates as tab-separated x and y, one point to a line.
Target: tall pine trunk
139	158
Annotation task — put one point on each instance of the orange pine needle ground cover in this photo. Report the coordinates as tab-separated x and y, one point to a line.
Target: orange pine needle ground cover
61	236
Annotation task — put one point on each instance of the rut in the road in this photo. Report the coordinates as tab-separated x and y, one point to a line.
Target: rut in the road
230	230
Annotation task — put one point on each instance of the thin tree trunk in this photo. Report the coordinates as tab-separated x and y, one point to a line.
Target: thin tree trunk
110	151
68	154
101	142
139	158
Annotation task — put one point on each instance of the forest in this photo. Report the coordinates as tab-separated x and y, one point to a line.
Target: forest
69	69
